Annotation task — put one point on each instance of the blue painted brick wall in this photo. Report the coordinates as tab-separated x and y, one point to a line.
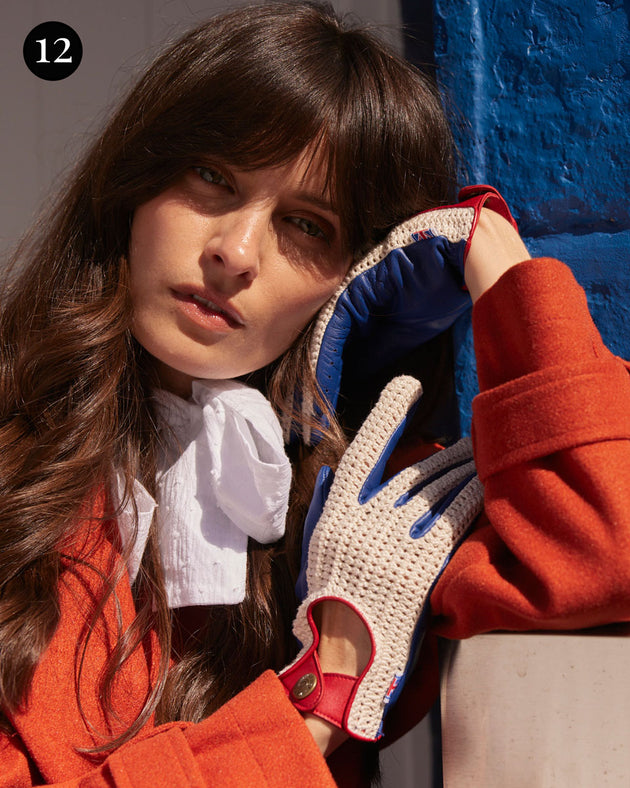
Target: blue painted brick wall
541	93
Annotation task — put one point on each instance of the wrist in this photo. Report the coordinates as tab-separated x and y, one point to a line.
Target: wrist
327	736
345	647
496	247
322	683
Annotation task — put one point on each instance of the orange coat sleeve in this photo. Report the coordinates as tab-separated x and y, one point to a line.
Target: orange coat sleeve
551	432
257	739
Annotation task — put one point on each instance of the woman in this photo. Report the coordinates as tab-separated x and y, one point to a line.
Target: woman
218	211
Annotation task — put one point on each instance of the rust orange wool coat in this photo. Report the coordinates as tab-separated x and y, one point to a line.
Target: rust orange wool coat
551	550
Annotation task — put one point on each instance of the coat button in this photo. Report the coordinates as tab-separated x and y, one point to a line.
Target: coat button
304	686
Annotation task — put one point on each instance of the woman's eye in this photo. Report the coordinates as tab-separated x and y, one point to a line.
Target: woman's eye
308	227
210	176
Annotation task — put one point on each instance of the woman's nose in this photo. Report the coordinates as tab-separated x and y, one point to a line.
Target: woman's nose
236	242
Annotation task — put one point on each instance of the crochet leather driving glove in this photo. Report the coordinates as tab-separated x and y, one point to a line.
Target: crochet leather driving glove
378	546
404	292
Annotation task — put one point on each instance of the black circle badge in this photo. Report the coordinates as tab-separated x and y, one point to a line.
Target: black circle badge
52	50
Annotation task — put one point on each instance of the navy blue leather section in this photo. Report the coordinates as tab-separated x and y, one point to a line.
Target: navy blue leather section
404	300
424	524
374	482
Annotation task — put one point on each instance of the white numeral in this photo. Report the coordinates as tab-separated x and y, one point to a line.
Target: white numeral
60	58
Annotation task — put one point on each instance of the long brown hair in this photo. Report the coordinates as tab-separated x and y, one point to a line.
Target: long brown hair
254	86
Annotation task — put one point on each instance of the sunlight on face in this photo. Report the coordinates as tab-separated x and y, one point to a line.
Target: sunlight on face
228	266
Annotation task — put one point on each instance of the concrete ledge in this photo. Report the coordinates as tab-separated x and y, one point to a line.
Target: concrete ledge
537	710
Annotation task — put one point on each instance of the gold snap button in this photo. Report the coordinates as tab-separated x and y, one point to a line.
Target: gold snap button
304	686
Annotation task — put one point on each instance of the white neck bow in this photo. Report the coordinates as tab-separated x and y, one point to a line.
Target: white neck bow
224	478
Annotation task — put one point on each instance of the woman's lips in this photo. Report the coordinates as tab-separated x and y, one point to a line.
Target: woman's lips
211	312
213	306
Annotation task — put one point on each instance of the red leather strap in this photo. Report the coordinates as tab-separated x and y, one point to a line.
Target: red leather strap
483	196
296	684
336	698
326	695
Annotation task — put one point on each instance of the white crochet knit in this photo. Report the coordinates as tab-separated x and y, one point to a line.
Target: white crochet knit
362	550
453	223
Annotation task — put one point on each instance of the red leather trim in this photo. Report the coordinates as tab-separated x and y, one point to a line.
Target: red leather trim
480	196
334	705
332	697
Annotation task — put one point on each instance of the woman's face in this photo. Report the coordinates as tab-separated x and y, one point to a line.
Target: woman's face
227	267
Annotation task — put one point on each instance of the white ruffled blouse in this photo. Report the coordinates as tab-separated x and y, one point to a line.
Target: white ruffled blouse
224	477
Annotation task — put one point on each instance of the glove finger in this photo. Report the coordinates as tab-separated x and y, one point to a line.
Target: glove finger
363	463
457	498
415	481
408	482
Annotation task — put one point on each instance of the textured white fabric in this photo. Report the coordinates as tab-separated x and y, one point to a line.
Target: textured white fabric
224	477
364	548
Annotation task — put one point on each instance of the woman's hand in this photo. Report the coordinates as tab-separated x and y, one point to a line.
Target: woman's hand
375	547
495	247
